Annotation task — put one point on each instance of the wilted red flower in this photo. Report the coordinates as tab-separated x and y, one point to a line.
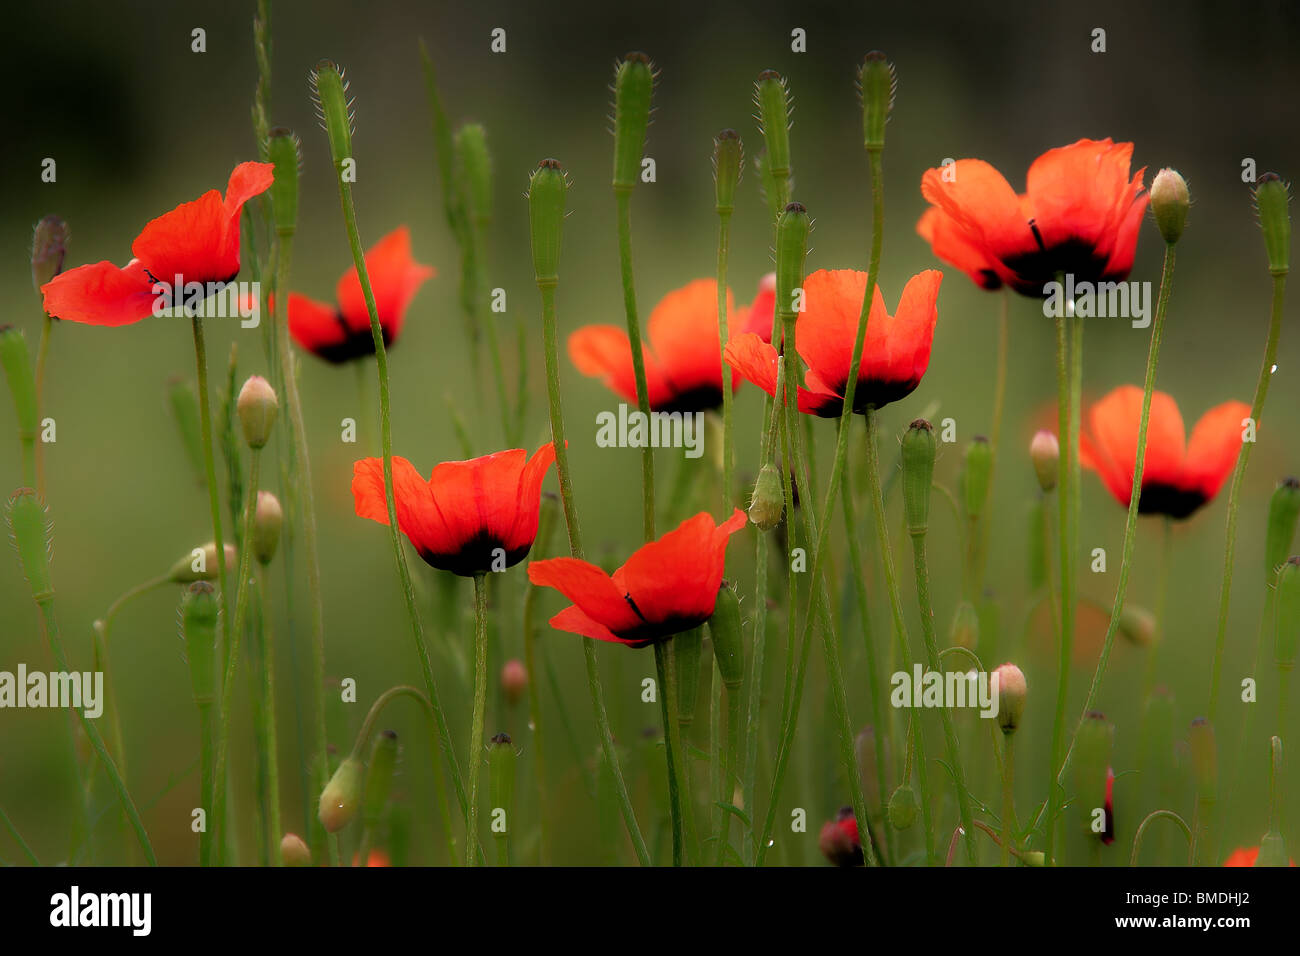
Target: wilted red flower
1176	480
343	333
683	367
470	516
667	586
1079	215
761	313
895	355
839	840
197	241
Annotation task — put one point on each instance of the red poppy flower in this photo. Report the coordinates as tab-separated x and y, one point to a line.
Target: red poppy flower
683	367
839	840
895	356
1176	480
1244	856
340	333
197	241
1079	214
762	311
470	516
667	586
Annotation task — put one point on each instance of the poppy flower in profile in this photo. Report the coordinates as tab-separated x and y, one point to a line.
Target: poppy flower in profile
1179	476
342	332
894	357
667	586
761	313
1079	215
683	367
470	516
197	242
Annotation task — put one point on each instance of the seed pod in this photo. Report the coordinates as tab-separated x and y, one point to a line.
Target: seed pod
1272	197
902	808
330	91
687	647
49	247
728	162
1012	695
284	150
977	466
341	797
728	637
294	852
268	519
379	777
878	84
767	502
1169	202
1286	635
1205	762
546	193
1045	453
918	475
634	80
31	531
772	97
257	407
199	632
1283	510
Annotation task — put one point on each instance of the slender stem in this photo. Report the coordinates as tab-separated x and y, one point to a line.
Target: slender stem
269	743
665	666
1238	478
995	435
480	706
624	198
1008	795
1142	829
535	711
546	286
42	353
18	838
731	771
728	439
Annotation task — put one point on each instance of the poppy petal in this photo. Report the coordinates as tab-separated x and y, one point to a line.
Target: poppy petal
603	351
417	515
315	326
761	314
983	207
753	359
1213	448
575	620
100	294
683	334
395	277
529	499
589	588
950	244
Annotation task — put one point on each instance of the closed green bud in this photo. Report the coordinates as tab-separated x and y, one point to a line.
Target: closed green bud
475	166
903	808
1272	197
634	80
728	637
201	564
49	247
341	798
975	472
199	632
546	193
257	408
1169	202
1283	510
22	385
293	851
772	97
687	648
268	519
1138	625
918	475
379	777
184	403
1205	758
767	184
1034	858
965	630
284	150
501	777
728	161
1286	634
877	83
30	528
792	229
330	92
767	501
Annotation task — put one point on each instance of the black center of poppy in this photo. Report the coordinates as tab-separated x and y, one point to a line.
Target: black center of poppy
1162	499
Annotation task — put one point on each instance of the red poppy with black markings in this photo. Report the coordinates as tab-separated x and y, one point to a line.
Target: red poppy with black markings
839	840
667	586
1179	476
760	314
1079	215
339	333
894	357
683	366
197	241
470	516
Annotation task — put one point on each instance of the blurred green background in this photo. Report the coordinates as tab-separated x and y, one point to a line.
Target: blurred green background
138	123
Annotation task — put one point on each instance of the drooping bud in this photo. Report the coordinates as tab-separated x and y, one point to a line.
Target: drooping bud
1045	453
1205	759
839	841
1283	510
767	502
341	798
634	80
727	636
49	247
201	564
379	777
199	632
546	193
30	527
293	852
1138	625
918	475
688	647
965	630
514	680
877	83
728	163
1272	197
257	407
284	151
772	97
903	808
1012	695
976	469
1169	202
1286	634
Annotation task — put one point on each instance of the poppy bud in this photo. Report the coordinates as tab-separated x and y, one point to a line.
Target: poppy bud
199	632
728	161
514	680
257	407
49	246
185	409
1272	196
546	192
16	360
1287	633
284	150
267	521
976	469
902	808
293	852
1034	858
379	777
1205	763
1169	202
476	167
30	528
634	80
1283	510
330	91
965	630
1012	692
201	566
772	98
501	777
726	634
342	796
767	501
839	840
918	475
1045	453
1138	625
791	247
877	83
687	647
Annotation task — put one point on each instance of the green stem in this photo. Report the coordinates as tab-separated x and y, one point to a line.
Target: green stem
18	838
42	353
731	772
480	706
624	198
269	744
1142	829
1008	795
728	440
666	668
995	436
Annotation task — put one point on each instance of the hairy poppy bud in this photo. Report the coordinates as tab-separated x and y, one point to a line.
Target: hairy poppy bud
965	630
1012	694
257	408
330	91
727	636
267	521
293	852
767	501
902	808
201	564
341	798
877	82
16	359
1283	510
772	98
379	777
514	680
1169	202
977	467
839	840
1138	625
792	228
918	475
634	80
1045	453
49	246
1205	760
1287	633
546	193
728	162
1272	197
501	788
284	150
199	631
30	527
